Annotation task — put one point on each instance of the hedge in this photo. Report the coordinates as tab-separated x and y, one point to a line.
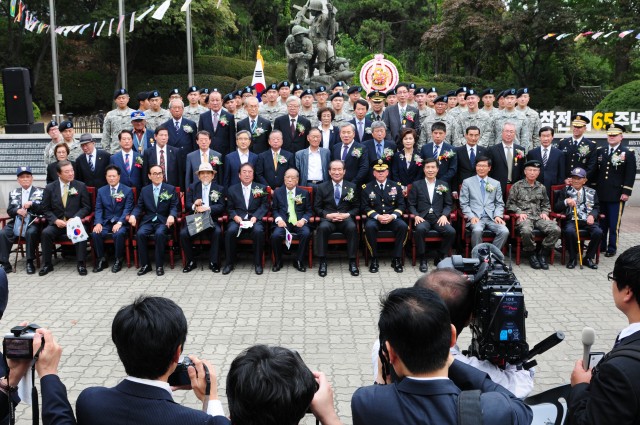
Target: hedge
625	99
236	68
164	83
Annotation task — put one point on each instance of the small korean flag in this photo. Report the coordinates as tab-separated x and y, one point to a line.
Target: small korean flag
75	230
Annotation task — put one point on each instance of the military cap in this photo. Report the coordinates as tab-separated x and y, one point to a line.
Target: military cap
51	124
444	99
376	96
501	94
214	90
296	87
143	95
272	86
451	93
138	116
336	94
237	93
354	89
86	138
461	90
510	92
22	170
431	90
533	163
153	93
615	129
380	166
391	92
307	92
64	125
246	90
205	166
174	92
470	92
284	84
487	91
228	97
579	120
579	172
522	91
192	89
119	92
338	84
204	90
412	86
321	89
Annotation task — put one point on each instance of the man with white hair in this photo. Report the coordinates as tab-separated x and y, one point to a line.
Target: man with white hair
294	127
182	131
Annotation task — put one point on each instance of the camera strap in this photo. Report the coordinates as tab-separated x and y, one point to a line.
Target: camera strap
207	391
469	408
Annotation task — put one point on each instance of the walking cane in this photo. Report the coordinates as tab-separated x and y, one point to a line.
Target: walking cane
15	263
575	218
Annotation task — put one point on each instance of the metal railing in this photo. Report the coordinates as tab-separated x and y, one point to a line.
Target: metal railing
87	123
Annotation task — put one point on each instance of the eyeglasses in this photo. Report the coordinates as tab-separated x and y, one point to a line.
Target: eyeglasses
610	276
156	174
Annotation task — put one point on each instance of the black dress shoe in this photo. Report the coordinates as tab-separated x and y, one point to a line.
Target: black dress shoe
276	267
82	269
144	270
45	269
542	258
227	269
322	269
299	265
424	266
6	267
353	269
534	262
259	269
214	267
590	263
572	263
102	264
117	265
160	271
610	254
191	265
397	265
374	266
31	269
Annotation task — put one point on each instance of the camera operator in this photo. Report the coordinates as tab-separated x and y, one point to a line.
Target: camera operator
457	293
273	386
610	392
417	334
149	336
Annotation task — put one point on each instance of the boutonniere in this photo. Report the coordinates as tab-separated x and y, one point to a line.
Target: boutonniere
393	191
387	153
257	192
281	159
258	132
617	158
418	160
300	129
489	188
151	142
519	155
164	196
223	121
187	128
440	189
356	152
349	195
118	197
139	162
409	115
214	196
73	191
298	199
214	160
367	130
583	150
446	155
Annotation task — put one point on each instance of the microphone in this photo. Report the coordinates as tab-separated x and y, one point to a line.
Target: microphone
588	338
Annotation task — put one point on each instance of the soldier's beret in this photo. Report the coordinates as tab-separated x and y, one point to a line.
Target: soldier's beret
174	92
522	91
470	92
412	86
192	89
228	97
336	94
204	90
444	99
296	87
533	163
153	93
461	90
391	92
451	93
272	86
284	84
64	125
321	89
420	90
487	91
354	89
119	92
143	95
246	90
432	90
51	124
510	92
307	92
499	95
338	84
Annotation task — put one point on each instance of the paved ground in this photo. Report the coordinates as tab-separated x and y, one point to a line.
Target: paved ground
331	321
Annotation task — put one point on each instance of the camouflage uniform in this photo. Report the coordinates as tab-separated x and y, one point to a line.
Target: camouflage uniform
114	122
425	132
424	113
311	115
341	119
240	114
523	128
272	112
192	113
155	119
465	119
455	112
50	155
533	201
534	124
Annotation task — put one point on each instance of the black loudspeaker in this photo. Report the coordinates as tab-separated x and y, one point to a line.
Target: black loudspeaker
17	95
34	128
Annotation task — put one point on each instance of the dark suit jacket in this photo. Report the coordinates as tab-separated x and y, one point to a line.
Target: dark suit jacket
78	205
127	402
560	207
613	396
259	143
325	203
232	167
372	155
52	171
109	210
365	136
465	170
435	402
334	138
97	177
404	175
281	204
299	141
574	159
614	181
192	163
391	117
419	202
258	206
146	205
148	136
134	177
554	172
175	170
499	169
185	142
447	168
265	172
356	167
223	139
36	196
195	192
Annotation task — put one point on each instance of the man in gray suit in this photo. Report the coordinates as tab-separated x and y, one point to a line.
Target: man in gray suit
313	162
202	155
482	204
401	115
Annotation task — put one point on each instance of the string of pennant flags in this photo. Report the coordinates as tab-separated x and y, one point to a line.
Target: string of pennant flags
590	34
22	15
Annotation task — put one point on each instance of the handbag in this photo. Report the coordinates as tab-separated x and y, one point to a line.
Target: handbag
17	225
199	222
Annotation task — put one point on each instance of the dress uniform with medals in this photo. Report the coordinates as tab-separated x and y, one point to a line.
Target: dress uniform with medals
616	175
377	97
114	122
580	151
383	203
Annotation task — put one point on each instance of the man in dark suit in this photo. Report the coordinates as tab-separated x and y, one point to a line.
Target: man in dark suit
91	167
247	205
65	198
354	156
610	393
220	124
401	115
442	152
204	154
467	155
578	150
258	126
504	170
294	127
272	164
337	203
238	157
128	161
157	210
182	131
361	122
313	162
204	196
166	157
379	150
408	318
144	396
430	201
25	202
551	158
114	202
292	211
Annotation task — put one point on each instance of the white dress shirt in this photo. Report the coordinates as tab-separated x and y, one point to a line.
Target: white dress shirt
244	157
314	171
246	192
25	195
431	187
326	135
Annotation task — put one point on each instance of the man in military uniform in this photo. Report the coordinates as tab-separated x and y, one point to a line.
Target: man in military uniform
156	115
488	98
322	95
307	110
143	100
241	112
193	110
354	94
337	104
204	96
24	202
533	118
377	105
284	91
452	100
578	150
529	202
174	94
392	97
383	203
472	116
338	87
68	133
616	175
115	121
270	108
420	95
460	94
50	150
510	114
441	115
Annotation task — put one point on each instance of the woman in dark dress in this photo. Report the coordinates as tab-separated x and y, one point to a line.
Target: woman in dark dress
407	162
61	152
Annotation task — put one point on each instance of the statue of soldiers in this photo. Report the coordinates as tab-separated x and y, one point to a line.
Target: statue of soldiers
299	51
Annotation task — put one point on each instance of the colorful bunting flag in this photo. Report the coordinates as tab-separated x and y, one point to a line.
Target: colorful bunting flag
159	13
185	6
141	17
133	20
623	34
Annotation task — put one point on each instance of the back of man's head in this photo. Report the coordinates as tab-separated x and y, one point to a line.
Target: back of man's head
147	335
455	290
626	271
415	321
269	386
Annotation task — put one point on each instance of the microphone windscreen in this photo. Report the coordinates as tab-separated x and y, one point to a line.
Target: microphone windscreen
588	336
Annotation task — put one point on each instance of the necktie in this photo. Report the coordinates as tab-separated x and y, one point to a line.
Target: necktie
379	150
345	149
93	167
575	142
436	150
336	194
215	121
275	161
177	125
618	341
253	126
381	187
156	193
127	166
293	218
483	189
360	130
113	192
509	163
610	151
163	165
65	195
204	157
472	158
545	157
402	112
293	128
